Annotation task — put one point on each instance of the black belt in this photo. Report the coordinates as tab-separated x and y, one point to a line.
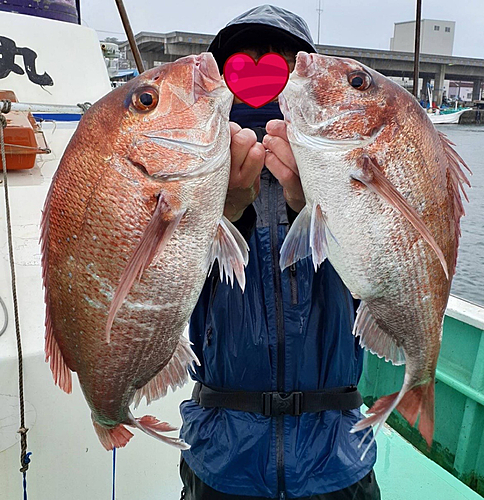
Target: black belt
273	404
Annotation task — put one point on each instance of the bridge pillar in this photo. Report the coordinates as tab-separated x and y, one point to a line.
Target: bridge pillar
423	92
476	90
439	85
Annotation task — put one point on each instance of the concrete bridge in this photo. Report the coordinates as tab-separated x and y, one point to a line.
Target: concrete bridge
158	48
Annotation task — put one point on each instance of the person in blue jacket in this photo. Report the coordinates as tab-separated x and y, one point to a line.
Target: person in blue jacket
275	394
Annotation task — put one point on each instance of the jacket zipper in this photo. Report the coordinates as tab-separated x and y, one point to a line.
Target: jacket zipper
281	347
213	290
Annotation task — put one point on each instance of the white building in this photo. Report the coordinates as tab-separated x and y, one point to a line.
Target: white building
436	37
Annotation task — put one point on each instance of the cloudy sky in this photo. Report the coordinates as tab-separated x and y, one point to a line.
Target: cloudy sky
352	23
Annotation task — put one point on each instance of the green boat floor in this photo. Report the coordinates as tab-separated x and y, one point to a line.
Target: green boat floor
404	473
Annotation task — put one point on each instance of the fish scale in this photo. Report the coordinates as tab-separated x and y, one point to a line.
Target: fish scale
383	202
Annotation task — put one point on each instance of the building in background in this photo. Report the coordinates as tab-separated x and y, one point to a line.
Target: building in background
160	48
435	70
462	91
436	37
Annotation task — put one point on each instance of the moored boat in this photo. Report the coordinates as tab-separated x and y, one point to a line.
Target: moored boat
449	116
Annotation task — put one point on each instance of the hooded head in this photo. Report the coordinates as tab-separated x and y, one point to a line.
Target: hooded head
264	28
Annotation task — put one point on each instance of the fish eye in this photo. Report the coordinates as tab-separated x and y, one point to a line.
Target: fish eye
145	99
359	80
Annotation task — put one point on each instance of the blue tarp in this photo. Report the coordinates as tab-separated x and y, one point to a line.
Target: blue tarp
124	73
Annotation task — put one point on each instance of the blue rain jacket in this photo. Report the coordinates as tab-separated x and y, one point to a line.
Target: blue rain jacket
300	327
289	331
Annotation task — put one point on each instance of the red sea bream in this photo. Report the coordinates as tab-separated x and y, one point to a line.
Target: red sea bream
383	191
131	225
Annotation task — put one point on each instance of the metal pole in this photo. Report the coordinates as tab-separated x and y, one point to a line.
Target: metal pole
129	34
416	60
319	18
47	108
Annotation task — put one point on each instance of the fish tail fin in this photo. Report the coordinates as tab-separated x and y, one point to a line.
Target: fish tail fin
153	427
417	401
117	437
379	414
420	400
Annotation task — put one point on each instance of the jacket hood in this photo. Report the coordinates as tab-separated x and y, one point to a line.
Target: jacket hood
265	18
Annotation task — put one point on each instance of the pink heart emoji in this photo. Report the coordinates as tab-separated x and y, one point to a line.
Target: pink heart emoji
256	83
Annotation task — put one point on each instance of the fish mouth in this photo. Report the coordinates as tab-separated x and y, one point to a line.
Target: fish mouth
284	108
207	66
206	77
304	67
316	138
319	141
209	165
182	141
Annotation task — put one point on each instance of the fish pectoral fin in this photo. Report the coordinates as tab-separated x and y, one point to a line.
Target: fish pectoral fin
296	244
159	230
373	338
232	252
373	178
317	236
307	236
174	374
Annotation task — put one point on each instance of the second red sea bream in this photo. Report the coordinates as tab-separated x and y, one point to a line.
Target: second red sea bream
383	191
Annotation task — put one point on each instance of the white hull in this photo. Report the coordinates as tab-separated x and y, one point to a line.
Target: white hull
447	117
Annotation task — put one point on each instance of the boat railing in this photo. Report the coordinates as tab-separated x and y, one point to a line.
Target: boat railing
459	395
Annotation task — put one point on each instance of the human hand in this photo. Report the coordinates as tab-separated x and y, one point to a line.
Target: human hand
281	162
247	160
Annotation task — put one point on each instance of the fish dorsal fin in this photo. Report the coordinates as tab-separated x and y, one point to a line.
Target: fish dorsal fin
372	177
160	228
174	374
60	370
457	179
231	251
296	244
373	338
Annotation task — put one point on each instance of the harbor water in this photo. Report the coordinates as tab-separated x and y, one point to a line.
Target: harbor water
468	281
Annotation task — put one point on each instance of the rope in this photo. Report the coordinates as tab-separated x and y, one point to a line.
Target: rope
114	473
6	106
5	312
28	148
24	457
24	474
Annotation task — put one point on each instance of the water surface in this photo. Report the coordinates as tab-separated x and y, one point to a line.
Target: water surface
469	278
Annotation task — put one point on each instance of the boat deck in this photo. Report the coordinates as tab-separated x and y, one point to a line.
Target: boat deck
404	473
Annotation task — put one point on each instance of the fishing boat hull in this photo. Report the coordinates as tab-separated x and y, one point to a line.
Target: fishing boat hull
453	117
